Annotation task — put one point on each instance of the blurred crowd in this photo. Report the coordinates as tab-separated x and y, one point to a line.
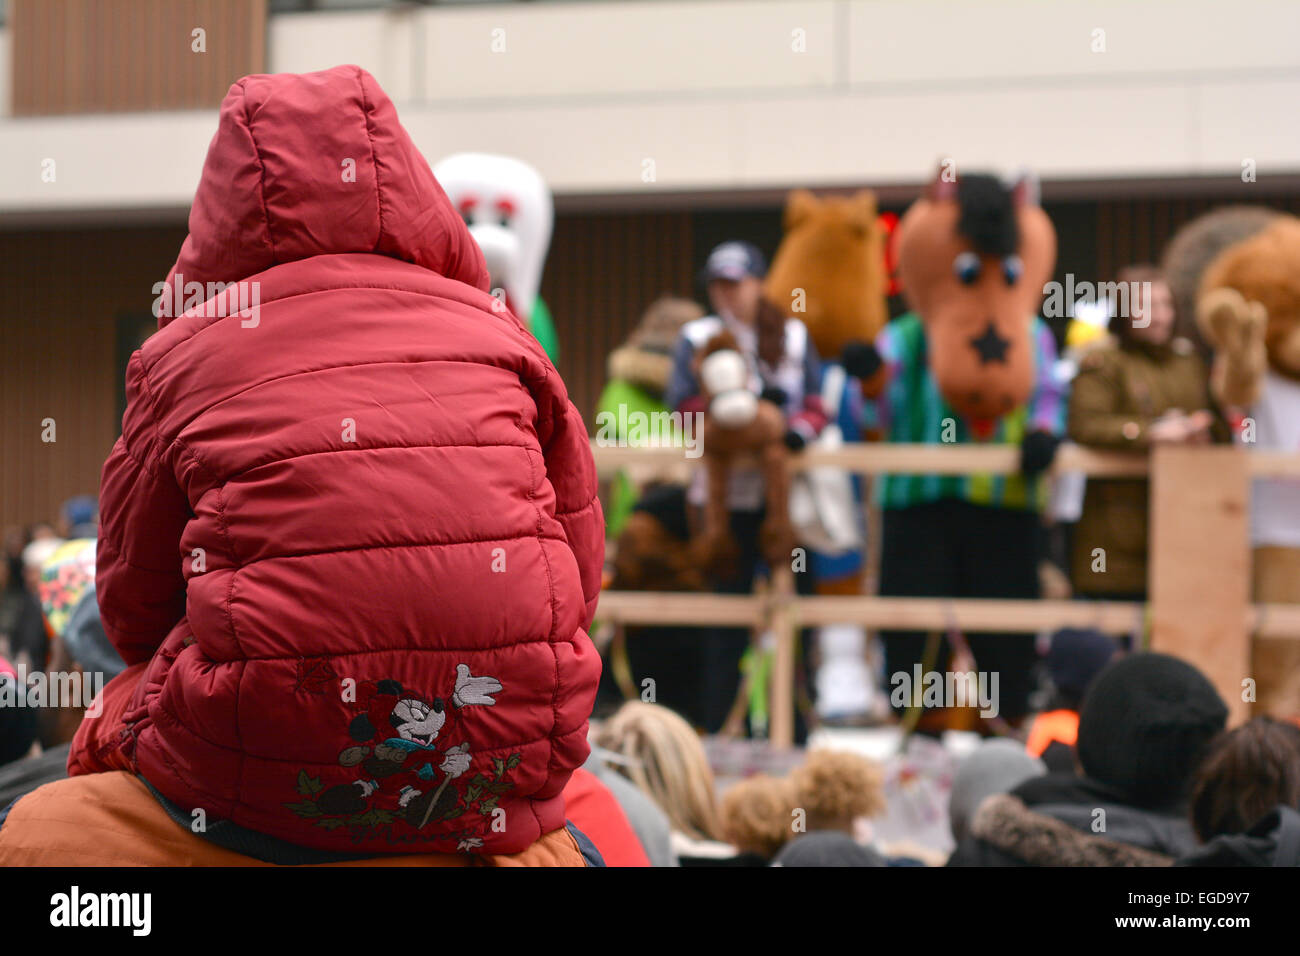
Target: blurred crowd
1153	778
49	623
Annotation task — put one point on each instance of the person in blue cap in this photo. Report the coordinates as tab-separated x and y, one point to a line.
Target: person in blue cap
79	517
784	369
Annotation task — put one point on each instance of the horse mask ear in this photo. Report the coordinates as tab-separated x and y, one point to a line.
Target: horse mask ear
800	206
1025	190
944	185
864	207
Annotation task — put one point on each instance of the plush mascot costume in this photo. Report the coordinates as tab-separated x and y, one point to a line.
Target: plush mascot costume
971	362
639	370
738	424
1245	265
829	271
508	208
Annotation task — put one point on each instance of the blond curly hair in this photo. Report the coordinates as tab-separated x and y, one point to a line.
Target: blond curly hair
834	788
757	814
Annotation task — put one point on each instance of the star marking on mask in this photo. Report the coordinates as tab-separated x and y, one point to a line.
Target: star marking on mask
990	345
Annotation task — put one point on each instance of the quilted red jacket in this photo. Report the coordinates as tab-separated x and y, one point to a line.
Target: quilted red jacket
351	522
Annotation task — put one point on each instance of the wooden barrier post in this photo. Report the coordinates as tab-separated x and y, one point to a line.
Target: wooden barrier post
781	692
1200	563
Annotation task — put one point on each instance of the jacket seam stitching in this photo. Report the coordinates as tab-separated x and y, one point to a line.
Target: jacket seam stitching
261	178
335	368
374	158
403	648
550	634
349	286
158	443
578	510
226	479
522	536
331	368
230	587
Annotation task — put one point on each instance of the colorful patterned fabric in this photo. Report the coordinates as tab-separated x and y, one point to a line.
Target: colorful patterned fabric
65	578
911	409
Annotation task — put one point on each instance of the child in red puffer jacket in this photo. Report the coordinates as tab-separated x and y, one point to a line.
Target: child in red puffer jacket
350	543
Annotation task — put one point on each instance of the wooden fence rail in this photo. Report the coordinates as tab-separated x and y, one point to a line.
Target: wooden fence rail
1199	606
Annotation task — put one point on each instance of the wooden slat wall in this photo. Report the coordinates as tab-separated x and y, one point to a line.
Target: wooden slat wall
63	292
601	273
1137	230
101	56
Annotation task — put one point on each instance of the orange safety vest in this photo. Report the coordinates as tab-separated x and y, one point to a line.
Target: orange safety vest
111	819
1062	725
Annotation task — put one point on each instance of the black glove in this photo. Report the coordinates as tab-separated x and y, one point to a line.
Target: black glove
774	395
860	359
794	441
1037	449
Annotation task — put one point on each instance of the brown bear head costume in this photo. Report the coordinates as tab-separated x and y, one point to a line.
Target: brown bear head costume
829	271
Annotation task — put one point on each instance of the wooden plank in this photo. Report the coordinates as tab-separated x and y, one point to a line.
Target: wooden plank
1200	563
957	459
680	609
970	614
873	458
1273	464
912	614
1274	620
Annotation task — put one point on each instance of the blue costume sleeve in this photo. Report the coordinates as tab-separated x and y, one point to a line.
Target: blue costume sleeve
682	384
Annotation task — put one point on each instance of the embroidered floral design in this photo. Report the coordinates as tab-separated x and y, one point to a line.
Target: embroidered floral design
315	675
408	774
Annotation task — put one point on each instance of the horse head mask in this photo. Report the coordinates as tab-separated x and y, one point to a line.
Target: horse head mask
973	256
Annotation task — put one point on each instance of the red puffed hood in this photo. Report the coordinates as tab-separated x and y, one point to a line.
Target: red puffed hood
287	178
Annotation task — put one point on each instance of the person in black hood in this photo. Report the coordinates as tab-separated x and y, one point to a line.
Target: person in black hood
1246	796
1146	723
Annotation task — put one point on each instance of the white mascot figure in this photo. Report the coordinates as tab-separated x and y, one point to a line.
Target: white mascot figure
508	208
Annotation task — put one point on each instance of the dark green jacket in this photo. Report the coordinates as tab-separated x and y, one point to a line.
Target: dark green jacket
1118	394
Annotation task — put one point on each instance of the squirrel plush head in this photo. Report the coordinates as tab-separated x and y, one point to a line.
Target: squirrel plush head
1197	244
829	270
973	257
1264	269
